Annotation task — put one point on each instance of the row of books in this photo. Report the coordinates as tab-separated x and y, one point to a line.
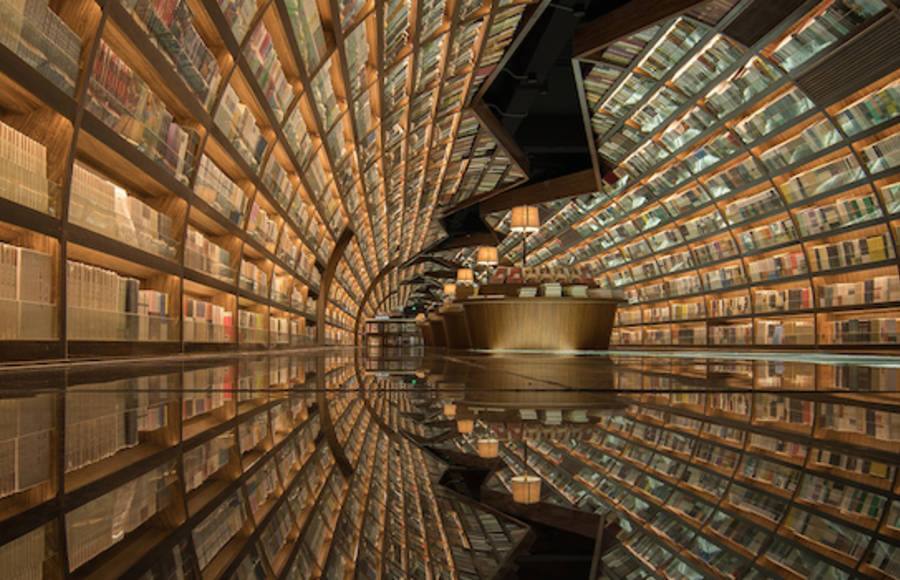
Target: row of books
102	305
206	322
870	291
852	252
237	123
26	429
262	58
26	294
778	266
205	256
218	190
106	208
877	330
40	38
124	101
100	523
790	332
170	24
23	171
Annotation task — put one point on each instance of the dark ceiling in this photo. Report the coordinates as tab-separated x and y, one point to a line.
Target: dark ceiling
534	96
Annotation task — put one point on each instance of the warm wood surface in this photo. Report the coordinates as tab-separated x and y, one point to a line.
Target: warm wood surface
436	323
540	323
455	328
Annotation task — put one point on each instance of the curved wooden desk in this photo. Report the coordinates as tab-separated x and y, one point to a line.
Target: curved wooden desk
455	327
540	323
436	322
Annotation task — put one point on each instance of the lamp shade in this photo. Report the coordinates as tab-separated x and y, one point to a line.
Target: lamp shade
465	425
450	289
487	256
526	488
524	218
465	275
488	448
450	410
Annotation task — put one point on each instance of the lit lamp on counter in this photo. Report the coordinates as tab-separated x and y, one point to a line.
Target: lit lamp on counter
487	257
465	426
450	291
465	283
524	219
449	410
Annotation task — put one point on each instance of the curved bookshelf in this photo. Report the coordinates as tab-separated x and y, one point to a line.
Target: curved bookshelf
746	207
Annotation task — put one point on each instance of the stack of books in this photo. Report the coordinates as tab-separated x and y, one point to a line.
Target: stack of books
218	190
26	294
23	171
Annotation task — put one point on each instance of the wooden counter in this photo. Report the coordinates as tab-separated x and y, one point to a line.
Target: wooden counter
436	322
540	323
455	327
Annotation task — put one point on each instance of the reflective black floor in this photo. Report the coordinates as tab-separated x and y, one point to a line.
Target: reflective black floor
411	464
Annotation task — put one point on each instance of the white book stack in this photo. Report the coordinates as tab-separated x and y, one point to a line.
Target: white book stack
102	305
93	202
23	170
551	289
26	290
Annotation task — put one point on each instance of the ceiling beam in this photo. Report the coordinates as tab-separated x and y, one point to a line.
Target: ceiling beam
493	126
570	185
479	239
623	21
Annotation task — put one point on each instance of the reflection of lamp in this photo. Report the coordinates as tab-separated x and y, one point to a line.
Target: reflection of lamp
465	426
526	488
450	289
465	276
487	256
524	219
488	448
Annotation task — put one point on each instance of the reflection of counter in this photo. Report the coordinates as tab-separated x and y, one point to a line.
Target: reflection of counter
436	322
455	326
540	323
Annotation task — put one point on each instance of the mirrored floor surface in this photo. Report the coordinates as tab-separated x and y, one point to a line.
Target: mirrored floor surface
333	464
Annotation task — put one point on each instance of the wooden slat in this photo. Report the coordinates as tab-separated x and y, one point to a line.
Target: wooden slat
628	19
558	188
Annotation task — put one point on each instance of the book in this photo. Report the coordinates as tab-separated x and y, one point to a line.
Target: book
26	294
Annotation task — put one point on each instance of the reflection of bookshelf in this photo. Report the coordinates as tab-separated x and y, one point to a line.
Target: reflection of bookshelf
708	484
795	189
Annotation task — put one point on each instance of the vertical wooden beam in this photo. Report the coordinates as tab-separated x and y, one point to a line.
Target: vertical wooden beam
327	276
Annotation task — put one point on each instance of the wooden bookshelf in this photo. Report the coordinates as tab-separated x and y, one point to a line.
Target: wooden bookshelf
727	184
266	130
